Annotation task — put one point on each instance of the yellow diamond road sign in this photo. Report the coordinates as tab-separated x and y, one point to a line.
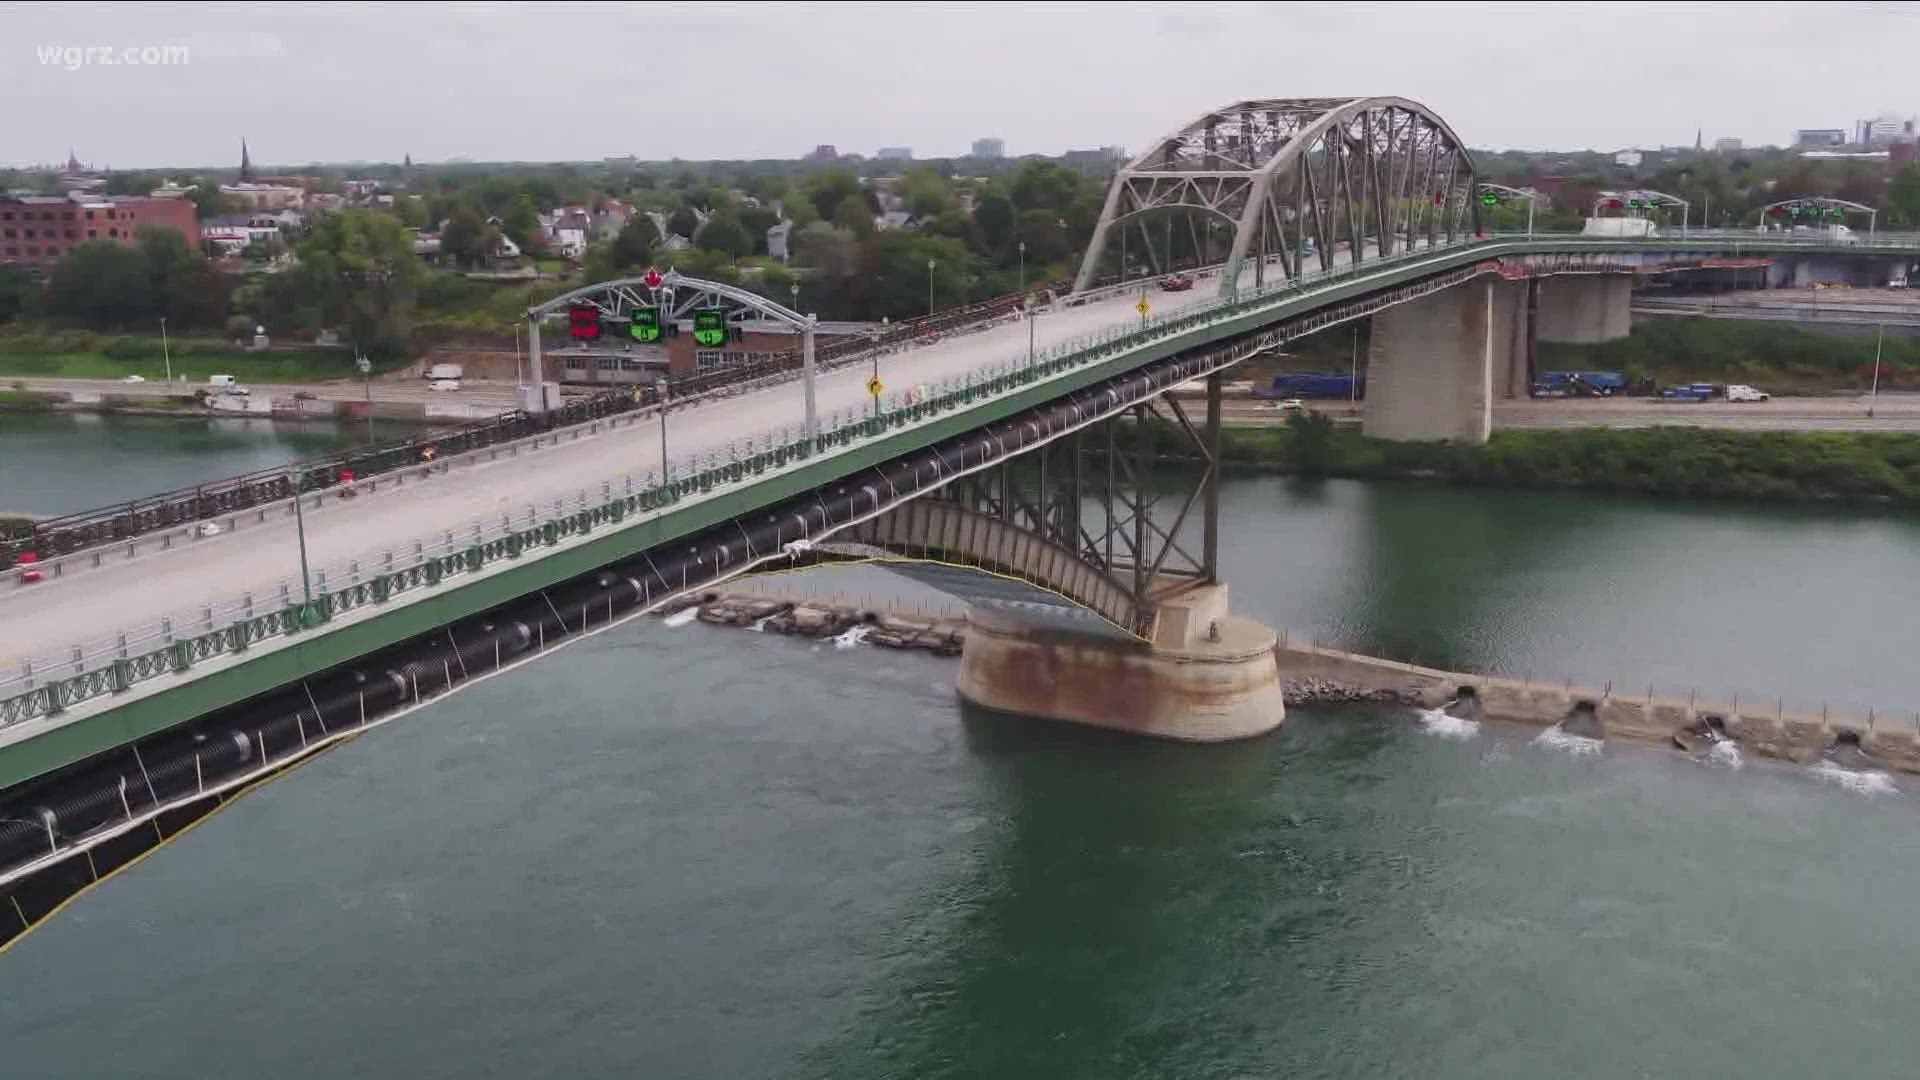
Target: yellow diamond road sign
1141	307
874	387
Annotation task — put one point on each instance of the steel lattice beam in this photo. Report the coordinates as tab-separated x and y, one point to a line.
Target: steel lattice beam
1288	175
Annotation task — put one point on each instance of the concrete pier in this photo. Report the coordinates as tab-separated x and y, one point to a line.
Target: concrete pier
1209	676
1431	364
1585	308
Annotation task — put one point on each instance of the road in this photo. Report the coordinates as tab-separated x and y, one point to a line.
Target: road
43	620
472	391
1892	412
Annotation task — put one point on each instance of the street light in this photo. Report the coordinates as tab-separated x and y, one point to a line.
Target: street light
366	371
1026	302
1873	395
164	352
929	288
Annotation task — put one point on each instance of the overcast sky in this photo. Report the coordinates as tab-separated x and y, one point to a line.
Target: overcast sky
367	81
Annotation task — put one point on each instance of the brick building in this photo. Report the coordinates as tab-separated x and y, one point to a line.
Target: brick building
39	231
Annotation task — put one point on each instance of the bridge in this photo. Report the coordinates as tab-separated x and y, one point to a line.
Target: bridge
146	676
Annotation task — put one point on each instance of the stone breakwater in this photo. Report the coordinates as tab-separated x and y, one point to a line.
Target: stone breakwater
942	635
1320	676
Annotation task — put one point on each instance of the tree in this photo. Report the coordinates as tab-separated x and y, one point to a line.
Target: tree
209	203
410	210
356	269
633	248
1903	196
186	287
1046	241
828	188
522	221
724	234
993	216
100	283
757	220
19	293
683	222
854	214
900	276
463	237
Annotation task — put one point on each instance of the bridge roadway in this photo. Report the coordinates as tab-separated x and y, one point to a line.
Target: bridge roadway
41	622
45	622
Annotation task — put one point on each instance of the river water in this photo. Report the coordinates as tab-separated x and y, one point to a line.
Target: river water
704	853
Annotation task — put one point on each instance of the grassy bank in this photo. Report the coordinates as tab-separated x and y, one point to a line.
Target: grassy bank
1777	356
73	354
1689	462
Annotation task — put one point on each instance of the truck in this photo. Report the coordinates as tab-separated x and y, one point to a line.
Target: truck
1579	384
1312	384
1742	392
1620	228
444	371
1689	392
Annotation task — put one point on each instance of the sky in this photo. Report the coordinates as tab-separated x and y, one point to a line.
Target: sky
580	81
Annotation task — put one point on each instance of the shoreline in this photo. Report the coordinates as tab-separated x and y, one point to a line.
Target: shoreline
1314	675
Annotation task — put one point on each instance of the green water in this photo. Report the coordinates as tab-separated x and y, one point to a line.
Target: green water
705	853
64	464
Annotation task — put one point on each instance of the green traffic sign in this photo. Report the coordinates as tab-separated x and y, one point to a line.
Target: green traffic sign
1490	199
646	324
710	327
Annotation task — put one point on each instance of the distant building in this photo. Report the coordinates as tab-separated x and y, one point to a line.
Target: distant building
1097	162
266	196
568	235
1726	145
1628	159
1884	129
38	230
777	238
894	153
823	152
989	149
1819	137
1902	152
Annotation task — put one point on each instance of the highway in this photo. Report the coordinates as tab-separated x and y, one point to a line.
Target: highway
1893	412
472	391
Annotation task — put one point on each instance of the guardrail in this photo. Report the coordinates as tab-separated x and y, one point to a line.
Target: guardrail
172	644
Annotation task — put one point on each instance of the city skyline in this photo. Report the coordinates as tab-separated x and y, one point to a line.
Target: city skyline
371	82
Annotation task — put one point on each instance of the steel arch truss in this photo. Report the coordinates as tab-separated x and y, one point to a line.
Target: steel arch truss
677	296
1295	179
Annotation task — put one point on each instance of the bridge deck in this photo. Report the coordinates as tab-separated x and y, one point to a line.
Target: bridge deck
38	621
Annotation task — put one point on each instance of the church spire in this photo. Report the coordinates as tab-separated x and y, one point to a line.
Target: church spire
246	163
73	163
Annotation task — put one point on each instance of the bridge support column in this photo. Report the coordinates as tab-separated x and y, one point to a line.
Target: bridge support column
1431	364
1584	309
1208	676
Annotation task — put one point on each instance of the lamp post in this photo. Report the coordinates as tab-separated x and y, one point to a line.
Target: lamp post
366	371
1873	395
929	288
165	353
300	529
1026	302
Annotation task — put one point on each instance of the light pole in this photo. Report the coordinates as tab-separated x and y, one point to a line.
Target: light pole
1026	302
366	371
663	429
165	353
929	288
1873	394
300	529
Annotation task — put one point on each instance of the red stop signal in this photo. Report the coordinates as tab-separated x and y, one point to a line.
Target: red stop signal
584	319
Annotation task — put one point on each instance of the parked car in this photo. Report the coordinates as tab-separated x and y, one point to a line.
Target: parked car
1741	392
134	379
1176	283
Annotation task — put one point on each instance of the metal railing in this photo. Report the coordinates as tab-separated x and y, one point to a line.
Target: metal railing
174	643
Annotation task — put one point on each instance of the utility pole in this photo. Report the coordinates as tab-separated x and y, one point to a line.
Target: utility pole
165	353
664	476
300	529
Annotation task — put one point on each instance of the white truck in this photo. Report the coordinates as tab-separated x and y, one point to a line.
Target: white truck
1619	228
1742	392
444	371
